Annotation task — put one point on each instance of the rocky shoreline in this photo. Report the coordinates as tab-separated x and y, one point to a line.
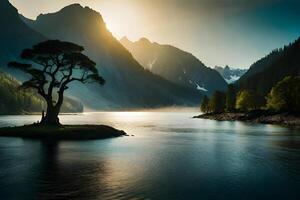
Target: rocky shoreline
264	117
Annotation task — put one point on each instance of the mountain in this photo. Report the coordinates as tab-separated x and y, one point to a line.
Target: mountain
230	75
128	85
175	65
15	101
15	35
266	72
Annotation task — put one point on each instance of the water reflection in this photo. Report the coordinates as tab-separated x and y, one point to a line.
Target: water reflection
62	174
288	156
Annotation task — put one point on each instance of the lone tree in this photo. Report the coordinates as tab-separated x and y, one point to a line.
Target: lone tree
53	65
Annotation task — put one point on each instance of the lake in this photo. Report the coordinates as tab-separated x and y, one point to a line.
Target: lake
171	156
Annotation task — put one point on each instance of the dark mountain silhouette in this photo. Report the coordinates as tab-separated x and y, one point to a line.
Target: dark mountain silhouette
175	65
266	72
128	85
230	75
15	35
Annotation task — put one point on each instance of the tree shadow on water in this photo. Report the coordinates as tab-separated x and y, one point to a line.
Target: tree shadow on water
65	174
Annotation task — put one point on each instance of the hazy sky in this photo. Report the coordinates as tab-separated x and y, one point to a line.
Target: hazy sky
218	32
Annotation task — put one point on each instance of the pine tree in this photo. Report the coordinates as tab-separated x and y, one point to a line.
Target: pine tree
230	98
217	102
205	105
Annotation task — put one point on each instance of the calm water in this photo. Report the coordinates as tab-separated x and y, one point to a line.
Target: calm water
171	156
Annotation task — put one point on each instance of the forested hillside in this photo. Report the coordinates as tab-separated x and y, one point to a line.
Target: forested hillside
13	100
268	71
271	83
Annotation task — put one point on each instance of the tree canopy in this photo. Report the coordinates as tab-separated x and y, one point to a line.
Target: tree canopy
285	95
249	100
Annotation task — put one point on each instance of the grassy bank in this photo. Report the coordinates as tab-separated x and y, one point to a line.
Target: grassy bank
66	132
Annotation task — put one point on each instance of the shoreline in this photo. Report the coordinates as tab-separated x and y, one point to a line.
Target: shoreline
262	117
154	109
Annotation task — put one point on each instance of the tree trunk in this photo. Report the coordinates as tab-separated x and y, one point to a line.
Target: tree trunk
51	117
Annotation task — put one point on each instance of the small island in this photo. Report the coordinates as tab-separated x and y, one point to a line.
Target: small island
64	132
281	106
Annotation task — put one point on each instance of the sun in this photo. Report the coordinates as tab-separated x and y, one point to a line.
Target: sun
121	20
113	27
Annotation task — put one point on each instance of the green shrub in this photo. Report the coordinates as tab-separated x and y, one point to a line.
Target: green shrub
285	95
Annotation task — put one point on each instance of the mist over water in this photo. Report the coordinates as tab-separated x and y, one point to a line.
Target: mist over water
170	156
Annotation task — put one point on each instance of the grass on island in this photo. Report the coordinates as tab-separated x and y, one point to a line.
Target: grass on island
64	132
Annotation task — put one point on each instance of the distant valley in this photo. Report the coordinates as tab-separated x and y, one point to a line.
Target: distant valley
230	74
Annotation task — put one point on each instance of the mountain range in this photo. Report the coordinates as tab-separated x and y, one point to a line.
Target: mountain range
175	65
128	84
230	75
140	74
